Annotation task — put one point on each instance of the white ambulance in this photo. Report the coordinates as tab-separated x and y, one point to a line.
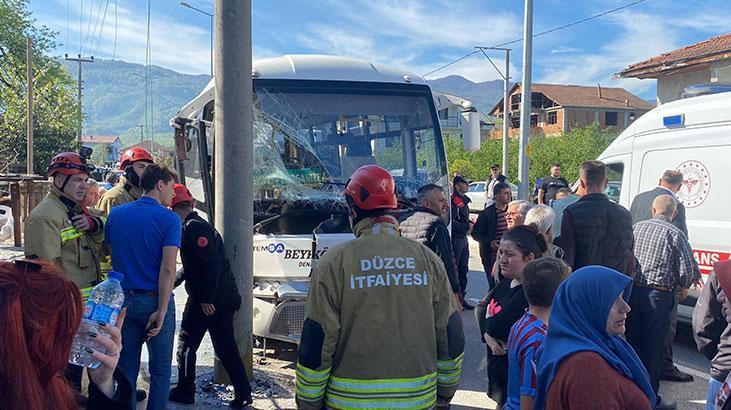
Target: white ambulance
693	136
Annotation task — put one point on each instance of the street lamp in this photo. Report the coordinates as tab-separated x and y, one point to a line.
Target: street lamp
185	4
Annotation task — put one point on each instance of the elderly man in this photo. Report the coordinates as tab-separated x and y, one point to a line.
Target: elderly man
92	195
426	226
666	263
490	226
542	216
514	216
641	210
595	230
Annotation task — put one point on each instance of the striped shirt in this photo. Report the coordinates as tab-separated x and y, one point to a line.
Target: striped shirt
526	336
502	223
664	255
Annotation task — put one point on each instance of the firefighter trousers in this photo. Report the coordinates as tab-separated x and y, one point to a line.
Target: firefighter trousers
220	325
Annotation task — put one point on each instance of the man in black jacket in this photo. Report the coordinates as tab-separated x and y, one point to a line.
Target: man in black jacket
212	301
461	227
426	226
595	230
490	226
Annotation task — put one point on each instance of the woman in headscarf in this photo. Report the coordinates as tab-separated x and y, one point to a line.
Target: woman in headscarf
585	362
40	311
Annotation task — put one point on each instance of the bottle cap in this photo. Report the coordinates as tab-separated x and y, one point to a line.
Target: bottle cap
116	275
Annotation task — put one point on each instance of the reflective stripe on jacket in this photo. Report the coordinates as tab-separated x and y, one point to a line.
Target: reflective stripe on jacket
381	326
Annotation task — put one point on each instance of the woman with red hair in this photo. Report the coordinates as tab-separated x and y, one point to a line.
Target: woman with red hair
40	311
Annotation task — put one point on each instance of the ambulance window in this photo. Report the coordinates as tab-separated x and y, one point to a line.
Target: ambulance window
614	178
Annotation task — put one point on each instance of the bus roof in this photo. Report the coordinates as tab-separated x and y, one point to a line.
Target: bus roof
312	67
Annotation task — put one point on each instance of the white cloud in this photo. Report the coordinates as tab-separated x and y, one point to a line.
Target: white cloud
638	36
564	50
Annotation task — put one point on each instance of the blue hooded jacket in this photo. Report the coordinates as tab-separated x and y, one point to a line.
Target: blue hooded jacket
578	323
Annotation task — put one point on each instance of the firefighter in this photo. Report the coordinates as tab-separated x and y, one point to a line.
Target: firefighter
382	328
212	301
63	231
133	162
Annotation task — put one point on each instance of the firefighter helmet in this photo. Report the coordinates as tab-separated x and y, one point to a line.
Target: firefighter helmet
69	163
133	155
182	194
372	187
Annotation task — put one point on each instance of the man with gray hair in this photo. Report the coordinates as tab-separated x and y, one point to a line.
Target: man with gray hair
641	210
426	225
542	216
517	210
666	261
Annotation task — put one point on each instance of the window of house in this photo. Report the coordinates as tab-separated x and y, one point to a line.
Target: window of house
444	114
514	102
552	117
610	118
515	121
534	120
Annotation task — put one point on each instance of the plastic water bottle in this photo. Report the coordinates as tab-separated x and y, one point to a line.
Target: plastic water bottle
103	305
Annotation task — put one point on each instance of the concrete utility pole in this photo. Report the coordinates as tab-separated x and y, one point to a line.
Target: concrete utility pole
29	75
506	112
506	104
525	100
233	159
79	60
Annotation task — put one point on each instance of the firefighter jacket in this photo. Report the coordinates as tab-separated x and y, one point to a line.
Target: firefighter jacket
381	326
50	235
120	194
207	272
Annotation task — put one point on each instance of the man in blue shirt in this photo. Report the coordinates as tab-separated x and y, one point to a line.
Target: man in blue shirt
144	237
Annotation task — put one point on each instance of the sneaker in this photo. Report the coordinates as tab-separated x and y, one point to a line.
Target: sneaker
239	403
178	396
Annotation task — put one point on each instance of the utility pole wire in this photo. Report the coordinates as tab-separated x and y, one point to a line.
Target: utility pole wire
596	16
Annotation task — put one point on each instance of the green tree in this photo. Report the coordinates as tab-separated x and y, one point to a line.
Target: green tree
55	113
570	150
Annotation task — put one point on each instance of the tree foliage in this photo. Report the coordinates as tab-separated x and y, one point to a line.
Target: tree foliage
570	150
55	113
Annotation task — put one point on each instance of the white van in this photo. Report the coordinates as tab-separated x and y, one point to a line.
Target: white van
692	136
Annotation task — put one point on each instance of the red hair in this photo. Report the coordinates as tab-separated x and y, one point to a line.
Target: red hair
40	311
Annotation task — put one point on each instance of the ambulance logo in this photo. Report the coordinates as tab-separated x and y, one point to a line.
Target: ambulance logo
696	183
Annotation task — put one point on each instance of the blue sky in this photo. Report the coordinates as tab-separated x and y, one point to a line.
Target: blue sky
415	35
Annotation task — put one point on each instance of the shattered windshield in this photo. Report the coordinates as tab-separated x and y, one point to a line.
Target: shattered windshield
309	140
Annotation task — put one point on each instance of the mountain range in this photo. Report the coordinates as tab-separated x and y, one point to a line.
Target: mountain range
114	97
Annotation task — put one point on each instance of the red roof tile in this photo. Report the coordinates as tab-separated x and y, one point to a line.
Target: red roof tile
712	49
98	139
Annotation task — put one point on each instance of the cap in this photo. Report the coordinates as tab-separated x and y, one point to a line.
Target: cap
459	180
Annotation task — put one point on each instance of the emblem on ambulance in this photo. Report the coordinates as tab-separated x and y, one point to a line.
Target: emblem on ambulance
696	183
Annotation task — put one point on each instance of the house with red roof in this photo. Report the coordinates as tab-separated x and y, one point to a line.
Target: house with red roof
705	62
557	108
110	144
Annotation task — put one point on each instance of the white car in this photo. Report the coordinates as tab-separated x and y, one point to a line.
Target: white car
476	193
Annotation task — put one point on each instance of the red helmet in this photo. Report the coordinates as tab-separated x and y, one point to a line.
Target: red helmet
133	155
182	194
372	187
69	163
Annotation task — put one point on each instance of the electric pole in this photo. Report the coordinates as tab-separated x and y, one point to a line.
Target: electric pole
506	103
525	100
79	61
142	135
29	75
233	159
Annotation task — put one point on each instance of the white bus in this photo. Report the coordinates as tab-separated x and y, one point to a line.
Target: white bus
316	120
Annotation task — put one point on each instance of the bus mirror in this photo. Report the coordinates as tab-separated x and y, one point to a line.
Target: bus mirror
471	129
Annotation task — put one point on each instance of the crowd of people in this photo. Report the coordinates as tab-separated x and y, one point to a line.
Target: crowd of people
579	312
77	233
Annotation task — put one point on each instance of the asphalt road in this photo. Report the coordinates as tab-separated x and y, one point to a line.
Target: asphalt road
474	379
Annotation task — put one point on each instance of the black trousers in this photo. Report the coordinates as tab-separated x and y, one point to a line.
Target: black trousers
667	352
647	327
220	325
461	248
497	378
488	265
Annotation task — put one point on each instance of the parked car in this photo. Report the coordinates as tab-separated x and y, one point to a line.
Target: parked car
476	193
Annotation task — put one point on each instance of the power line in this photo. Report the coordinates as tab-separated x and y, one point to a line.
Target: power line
584	20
